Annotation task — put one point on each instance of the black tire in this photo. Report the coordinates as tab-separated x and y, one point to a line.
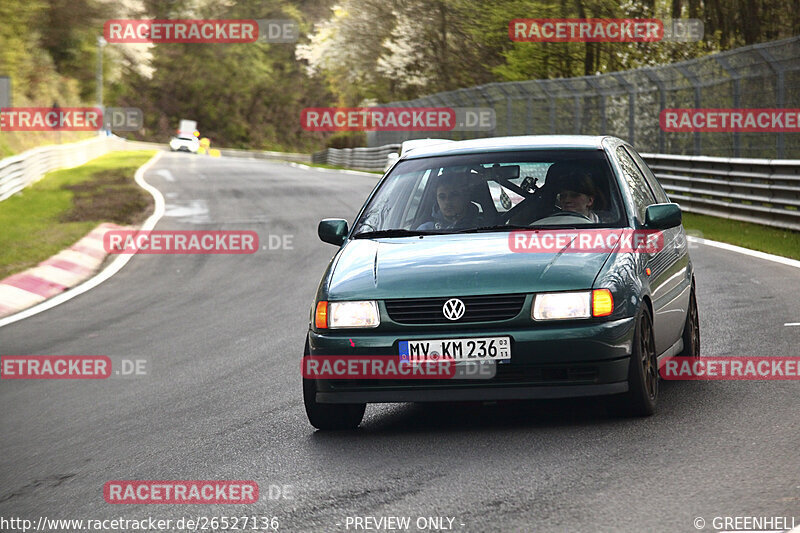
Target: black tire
642	396
691	330
329	416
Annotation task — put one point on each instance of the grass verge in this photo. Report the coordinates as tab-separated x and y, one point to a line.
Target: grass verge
65	205
754	236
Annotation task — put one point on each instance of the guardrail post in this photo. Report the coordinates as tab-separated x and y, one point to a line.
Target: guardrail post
689	75
662	104
482	90
737	99
551	101
576	110
508	109
781	90
602	92
631	106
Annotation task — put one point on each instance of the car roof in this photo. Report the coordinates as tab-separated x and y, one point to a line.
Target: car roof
506	144
414	144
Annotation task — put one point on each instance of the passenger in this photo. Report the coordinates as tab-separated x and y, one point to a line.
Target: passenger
456	211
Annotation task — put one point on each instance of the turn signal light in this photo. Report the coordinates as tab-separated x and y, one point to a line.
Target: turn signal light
602	302
321	315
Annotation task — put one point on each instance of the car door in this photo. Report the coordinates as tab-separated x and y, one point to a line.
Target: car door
681	262
667	268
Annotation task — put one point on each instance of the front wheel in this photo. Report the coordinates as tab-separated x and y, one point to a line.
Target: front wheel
330	416
642	396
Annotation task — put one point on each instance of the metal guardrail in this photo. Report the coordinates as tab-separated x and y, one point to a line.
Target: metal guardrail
762	191
356	158
19	171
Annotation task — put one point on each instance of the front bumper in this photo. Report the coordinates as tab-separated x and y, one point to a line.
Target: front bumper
547	361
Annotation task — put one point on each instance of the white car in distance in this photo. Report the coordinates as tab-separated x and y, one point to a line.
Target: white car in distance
184	143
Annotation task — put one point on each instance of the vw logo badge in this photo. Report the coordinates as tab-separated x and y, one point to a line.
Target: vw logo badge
453	309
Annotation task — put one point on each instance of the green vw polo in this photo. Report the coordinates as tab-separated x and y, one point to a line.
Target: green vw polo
531	267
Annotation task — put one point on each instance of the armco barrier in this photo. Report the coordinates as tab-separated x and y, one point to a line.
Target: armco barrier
357	158
763	191
19	171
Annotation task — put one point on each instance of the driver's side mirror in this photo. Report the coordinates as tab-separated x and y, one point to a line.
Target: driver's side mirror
332	230
662	216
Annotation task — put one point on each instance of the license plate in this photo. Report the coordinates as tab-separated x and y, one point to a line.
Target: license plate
472	349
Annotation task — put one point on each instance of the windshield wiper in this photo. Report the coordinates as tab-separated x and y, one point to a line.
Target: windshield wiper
501	227
391	233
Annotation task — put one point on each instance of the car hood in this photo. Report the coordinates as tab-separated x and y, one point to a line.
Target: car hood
453	265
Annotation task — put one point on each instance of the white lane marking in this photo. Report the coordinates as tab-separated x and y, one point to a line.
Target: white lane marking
196	211
166	174
747	251
792	324
114	267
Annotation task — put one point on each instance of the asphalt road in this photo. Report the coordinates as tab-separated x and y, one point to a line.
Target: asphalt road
222	336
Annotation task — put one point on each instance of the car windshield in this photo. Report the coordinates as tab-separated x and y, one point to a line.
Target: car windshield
497	191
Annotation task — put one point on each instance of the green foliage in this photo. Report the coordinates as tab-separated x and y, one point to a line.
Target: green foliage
241	95
347	139
351	53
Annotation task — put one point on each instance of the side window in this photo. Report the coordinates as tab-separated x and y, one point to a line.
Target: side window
414	202
642	196
655	186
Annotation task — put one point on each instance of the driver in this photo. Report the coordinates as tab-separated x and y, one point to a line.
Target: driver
456	211
577	193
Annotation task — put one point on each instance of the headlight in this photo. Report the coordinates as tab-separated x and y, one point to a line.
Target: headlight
558	305
351	314
566	305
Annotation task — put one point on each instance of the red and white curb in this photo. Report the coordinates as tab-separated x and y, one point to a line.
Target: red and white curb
64	276
57	274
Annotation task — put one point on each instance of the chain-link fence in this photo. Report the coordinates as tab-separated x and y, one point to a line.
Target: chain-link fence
627	104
